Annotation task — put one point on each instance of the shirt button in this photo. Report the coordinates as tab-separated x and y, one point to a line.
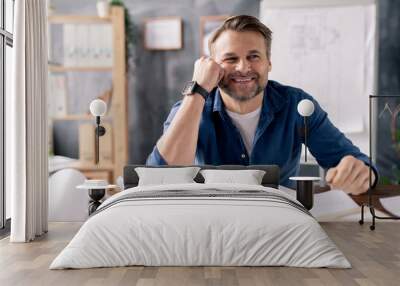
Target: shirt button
243	156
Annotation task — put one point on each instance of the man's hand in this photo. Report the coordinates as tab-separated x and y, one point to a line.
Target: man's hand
207	73
351	175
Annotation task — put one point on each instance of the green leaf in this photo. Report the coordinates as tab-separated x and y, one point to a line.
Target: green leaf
384	180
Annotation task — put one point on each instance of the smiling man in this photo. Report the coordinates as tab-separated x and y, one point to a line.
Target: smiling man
232	114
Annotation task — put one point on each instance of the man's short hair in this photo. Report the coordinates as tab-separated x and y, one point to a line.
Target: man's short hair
243	23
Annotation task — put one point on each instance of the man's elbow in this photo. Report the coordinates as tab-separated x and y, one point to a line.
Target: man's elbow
155	158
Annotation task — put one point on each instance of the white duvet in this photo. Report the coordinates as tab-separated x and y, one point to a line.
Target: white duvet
200	231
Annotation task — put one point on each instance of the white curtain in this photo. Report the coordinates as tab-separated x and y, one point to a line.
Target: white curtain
26	123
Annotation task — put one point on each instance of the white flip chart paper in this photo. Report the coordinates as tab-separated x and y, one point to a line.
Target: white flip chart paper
329	53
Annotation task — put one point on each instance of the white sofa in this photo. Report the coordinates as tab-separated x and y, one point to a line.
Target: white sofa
66	202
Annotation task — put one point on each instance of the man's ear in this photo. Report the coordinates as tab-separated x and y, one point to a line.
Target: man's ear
269	66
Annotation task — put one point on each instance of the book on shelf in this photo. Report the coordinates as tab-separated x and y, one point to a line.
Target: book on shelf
88	45
57	99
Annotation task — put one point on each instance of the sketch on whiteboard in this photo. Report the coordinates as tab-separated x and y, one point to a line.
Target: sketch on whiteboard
312	36
329	53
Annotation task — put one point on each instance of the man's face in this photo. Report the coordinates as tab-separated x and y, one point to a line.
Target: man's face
243	56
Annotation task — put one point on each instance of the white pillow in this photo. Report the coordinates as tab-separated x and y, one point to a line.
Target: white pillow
248	177
163	176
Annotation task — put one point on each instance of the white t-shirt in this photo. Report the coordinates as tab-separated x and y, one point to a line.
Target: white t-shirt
246	124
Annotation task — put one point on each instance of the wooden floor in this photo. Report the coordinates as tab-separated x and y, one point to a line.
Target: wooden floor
375	256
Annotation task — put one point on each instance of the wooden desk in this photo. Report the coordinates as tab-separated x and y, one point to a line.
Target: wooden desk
381	191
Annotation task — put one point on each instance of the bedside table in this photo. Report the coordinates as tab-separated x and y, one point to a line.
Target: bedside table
96	191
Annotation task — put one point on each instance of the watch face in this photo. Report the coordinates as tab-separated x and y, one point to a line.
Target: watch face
188	89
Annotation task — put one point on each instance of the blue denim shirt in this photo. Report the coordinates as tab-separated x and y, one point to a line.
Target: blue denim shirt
278	138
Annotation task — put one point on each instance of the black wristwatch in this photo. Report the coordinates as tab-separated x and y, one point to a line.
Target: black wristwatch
193	87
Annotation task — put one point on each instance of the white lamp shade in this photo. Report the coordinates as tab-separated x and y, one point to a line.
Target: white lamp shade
98	107
305	107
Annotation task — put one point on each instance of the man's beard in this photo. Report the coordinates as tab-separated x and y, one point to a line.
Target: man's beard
226	88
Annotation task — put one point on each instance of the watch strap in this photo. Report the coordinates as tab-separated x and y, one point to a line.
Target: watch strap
200	90
193	87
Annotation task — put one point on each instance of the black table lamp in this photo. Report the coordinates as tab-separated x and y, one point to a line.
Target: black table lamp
97	188
98	108
305	188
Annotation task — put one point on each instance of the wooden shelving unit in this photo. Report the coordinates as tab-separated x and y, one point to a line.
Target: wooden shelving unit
57	68
101	171
79	19
80	117
117	113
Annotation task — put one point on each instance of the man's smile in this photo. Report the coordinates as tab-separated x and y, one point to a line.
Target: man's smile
243	80
242	86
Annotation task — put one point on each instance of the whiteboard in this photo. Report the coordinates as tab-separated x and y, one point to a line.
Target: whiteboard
329	52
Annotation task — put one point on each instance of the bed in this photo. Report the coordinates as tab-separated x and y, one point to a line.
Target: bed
201	224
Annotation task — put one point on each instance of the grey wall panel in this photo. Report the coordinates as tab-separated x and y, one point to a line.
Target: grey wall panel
389	47
65	137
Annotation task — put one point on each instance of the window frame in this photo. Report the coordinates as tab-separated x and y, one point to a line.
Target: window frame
6	39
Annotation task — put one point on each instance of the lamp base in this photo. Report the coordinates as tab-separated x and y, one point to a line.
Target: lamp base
305	190
305	193
95	195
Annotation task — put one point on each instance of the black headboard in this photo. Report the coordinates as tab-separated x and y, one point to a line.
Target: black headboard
270	179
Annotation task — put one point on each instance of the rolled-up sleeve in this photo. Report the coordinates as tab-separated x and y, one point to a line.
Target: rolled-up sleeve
155	158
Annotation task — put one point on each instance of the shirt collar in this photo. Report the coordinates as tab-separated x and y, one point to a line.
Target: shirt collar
273	101
218	103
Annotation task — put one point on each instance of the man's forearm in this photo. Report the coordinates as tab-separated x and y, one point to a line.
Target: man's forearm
178	144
